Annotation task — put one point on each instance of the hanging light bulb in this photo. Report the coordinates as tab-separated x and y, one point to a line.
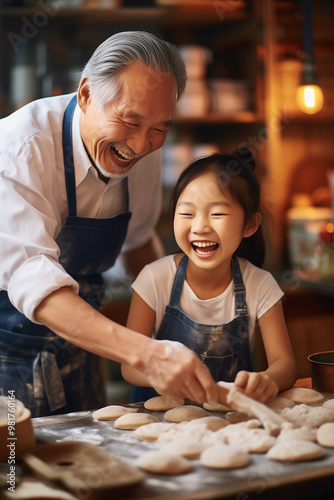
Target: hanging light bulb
310	98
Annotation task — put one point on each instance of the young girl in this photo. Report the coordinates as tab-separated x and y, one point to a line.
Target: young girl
210	296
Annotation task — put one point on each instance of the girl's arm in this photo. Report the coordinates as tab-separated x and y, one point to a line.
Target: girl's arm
281	373
141	318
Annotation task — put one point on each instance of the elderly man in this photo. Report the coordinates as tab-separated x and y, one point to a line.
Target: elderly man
80	182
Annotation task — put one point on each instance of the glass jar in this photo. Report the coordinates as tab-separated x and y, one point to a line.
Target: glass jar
324	252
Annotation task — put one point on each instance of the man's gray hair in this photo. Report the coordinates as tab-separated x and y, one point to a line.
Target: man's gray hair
123	49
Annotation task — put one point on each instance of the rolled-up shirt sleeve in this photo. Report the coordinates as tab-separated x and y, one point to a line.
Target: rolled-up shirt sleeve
29	269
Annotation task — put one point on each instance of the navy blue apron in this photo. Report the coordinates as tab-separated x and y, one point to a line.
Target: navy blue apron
48	374
224	349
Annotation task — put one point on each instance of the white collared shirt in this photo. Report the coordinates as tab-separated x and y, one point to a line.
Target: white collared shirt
34	203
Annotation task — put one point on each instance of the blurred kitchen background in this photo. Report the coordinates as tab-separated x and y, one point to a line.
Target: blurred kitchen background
246	63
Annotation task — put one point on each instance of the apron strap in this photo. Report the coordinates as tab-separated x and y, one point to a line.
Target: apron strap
68	157
47	380
180	275
69	161
239	290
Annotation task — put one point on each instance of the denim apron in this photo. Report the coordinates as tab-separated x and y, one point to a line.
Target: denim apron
48	374
224	349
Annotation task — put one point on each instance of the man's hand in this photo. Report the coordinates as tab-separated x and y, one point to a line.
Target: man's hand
256	385
176	371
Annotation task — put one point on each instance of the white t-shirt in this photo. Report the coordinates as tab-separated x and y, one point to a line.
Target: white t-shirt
34	203
154	285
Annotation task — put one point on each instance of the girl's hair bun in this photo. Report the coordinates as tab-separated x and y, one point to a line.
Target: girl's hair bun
245	155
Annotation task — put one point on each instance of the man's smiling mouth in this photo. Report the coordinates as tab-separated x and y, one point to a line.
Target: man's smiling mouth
121	155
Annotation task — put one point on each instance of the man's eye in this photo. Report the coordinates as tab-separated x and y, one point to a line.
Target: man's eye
129	124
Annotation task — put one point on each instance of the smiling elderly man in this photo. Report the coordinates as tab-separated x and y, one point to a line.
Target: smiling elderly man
80	183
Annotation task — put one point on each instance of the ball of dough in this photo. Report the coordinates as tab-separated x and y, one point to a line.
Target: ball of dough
329	404
302	395
131	421
295	451
163	462
162	403
151	432
325	435
185	413
217	407
211	423
112	412
302	434
184	446
223	456
279	403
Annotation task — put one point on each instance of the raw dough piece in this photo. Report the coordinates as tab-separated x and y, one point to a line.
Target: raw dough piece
248	439
184	429
185	446
185	413
325	435
212	423
216	407
162	403
308	416
302	434
151	432
302	395
112	412
131	421
223	456
329	404
295	451
235	417
279	403
163	462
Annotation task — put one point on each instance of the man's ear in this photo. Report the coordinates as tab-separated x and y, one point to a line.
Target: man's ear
83	95
252	225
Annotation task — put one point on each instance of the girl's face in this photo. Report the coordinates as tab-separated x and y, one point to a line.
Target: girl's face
209	224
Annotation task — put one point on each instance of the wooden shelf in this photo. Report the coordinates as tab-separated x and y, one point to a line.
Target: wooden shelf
219	118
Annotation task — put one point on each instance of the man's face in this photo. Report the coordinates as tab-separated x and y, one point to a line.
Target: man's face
133	125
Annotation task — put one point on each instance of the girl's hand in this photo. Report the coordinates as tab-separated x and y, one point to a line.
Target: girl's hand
257	385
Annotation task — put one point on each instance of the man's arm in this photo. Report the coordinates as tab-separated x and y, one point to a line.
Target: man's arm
171	368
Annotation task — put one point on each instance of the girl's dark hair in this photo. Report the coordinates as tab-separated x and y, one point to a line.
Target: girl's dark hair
235	173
